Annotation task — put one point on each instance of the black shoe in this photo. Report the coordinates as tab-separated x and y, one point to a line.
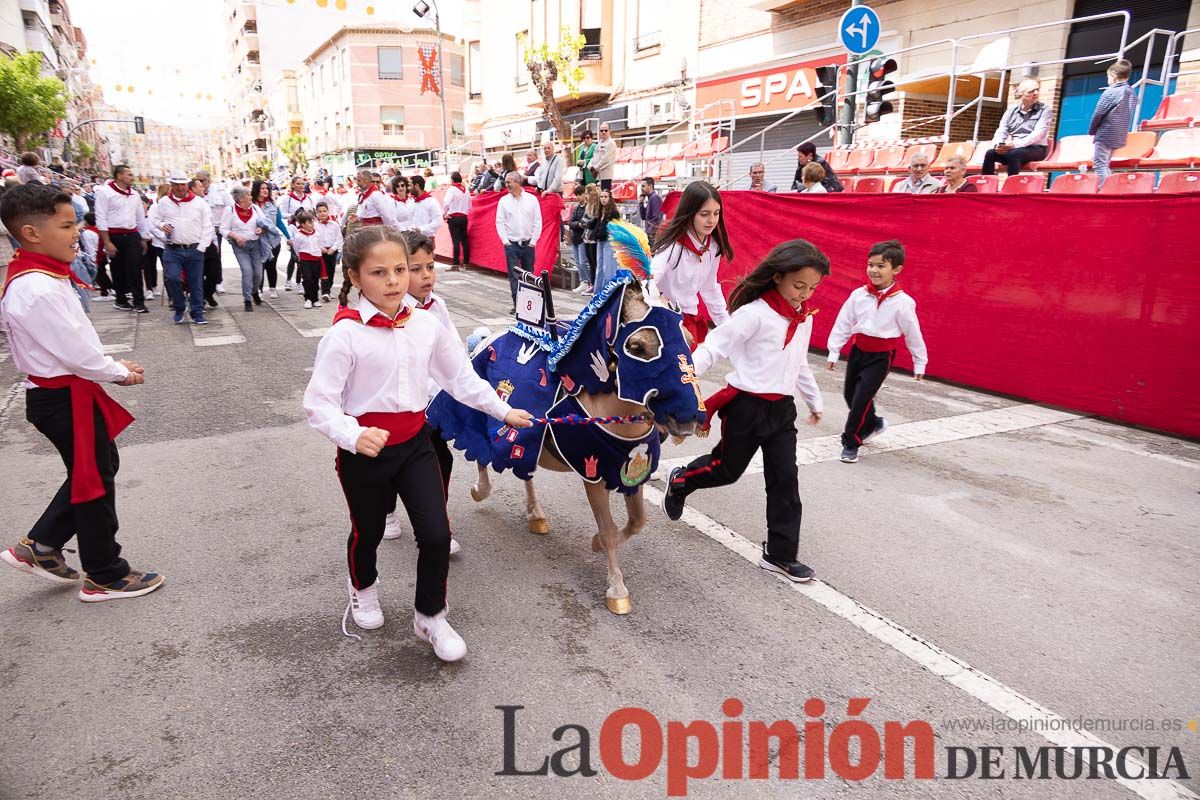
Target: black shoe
212	302
257	299
513	310
672	502
122	306
792	570
249	306
142	310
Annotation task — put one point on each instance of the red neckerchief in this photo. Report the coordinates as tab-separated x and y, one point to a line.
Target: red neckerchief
377	320
297	199
397	199
190	197
243	214
307	233
24	263
685	239
427	304
880	296
117	188
794	316
460	187
418	198
372	189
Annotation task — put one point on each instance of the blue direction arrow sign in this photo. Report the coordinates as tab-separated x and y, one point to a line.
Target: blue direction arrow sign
858	30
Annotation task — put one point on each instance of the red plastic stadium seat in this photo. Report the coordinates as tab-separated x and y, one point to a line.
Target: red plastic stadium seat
625	192
858	160
837	159
634	156
886	159
987	184
1129	183
963	149
674	149
720	145
689	151
1179	110
666	169
868	185
928	150
1024	184
848	183
1069	153
1139	145
623	155
1179	182
892	181
975	164
1177	148
704	148
1074	183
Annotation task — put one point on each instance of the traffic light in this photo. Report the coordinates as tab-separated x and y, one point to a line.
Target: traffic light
139	124
878	86
826	83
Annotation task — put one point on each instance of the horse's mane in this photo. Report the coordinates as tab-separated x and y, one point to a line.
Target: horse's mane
596	310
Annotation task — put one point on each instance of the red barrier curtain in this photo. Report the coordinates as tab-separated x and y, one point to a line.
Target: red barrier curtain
486	248
1091	303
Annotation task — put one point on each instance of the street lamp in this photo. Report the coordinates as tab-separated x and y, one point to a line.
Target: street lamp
421	9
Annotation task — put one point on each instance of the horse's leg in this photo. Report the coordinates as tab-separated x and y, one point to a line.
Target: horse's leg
608	538
635	508
534	514
483	485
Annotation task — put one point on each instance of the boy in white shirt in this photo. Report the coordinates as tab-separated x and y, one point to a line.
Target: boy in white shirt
329	234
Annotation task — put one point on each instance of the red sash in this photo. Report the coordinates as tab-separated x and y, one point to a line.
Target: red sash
697	327
723	397
873	344
85	396
370	220
118	231
308	257
400	425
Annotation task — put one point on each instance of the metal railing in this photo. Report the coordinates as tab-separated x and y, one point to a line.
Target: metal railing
694	121
1173	49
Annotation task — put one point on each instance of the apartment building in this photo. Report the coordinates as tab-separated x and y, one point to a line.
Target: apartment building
160	149
369	94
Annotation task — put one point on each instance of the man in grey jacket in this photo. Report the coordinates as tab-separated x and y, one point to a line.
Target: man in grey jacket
549	177
1112	117
604	159
1022	134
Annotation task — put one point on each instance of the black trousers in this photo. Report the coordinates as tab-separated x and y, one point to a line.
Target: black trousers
445	464
517	255
1014	160
865	373
748	424
94	524
150	265
331	260
409	469
606	184
460	252
270	268
103	282
126	268
212	269
310	277
292	262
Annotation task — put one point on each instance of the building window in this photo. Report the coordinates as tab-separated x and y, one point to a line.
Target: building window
392	119
476	69
458	124
591	19
391	67
649	30
456	70
522	73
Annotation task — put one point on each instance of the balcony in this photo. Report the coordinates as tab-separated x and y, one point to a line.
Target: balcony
252	57
250	26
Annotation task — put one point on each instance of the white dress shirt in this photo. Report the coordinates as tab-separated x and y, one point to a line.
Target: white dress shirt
402	213
427	215
152	225
248	230
289	205
119	210
308	243
752	340
681	276
329	234
219	199
894	317
377	205
48	333
457	201
519	219
330	200
362	369
191	220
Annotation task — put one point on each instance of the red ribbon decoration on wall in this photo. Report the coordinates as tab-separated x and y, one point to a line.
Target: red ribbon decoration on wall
429	71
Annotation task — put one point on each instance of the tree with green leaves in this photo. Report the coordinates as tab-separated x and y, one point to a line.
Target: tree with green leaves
30	105
547	66
260	170
293	150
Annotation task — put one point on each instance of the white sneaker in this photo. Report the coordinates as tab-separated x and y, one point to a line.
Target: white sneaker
308	303
287	287
455	547
317	304
364	606
274	294
149	294
220	288
391	528
325	297
447	644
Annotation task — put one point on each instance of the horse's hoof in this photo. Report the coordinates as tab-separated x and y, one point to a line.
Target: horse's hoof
619	605
541	526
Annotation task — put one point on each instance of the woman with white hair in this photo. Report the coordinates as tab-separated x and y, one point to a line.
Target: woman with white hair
956	177
242	224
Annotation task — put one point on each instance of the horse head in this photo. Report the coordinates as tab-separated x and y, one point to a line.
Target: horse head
654	364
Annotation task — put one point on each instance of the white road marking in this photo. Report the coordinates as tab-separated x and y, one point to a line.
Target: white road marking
459	282
912	434
946	666
1124	448
210	341
312	333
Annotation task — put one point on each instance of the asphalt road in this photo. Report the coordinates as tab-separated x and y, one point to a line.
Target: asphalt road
988	564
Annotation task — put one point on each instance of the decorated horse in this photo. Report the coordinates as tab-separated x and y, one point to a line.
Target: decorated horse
606	390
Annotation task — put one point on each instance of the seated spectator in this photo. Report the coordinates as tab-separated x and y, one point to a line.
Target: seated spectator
956	177
919	181
806	153
1023	132
28	171
811	178
758	181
